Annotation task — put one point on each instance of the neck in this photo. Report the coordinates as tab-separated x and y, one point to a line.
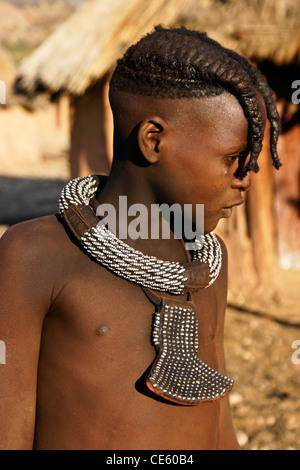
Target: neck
131	195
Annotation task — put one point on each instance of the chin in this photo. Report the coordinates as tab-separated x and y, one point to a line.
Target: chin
210	227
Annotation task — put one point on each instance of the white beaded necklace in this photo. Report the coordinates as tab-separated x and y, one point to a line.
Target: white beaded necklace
125	261
131	264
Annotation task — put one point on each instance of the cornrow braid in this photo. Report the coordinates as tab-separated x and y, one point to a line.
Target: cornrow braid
179	63
272	113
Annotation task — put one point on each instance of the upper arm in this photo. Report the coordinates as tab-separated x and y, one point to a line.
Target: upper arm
24	300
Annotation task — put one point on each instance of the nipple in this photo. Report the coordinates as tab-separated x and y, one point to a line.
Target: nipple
102	330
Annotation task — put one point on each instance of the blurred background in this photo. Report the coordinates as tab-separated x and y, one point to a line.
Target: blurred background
56	58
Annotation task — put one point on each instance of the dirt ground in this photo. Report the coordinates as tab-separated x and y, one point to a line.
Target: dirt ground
266	398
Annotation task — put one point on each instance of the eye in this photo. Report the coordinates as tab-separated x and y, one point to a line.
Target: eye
241	157
232	158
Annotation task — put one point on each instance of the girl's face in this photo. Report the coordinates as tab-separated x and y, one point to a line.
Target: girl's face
205	145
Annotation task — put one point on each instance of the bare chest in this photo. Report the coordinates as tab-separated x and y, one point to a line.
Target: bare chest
104	314
95	357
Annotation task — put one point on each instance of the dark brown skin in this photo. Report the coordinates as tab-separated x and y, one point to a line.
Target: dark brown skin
78	337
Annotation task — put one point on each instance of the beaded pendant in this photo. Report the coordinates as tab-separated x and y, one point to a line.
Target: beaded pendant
178	374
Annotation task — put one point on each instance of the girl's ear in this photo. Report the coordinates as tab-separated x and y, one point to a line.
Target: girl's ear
151	135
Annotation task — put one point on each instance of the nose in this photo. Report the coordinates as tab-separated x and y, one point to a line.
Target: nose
242	183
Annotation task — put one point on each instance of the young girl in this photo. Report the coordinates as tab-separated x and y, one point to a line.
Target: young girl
116	343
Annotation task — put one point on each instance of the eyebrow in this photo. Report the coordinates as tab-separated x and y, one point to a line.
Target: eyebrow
237	150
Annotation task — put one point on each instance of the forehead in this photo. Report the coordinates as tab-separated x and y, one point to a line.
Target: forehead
222	111
219	119
210	112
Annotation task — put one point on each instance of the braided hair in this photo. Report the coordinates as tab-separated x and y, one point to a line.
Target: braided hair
180	63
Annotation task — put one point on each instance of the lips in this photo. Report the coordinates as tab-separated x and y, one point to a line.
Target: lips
238	203
227	211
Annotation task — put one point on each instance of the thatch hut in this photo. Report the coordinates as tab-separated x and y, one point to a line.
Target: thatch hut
80	56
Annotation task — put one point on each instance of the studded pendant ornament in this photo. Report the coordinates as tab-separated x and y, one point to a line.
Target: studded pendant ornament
177	374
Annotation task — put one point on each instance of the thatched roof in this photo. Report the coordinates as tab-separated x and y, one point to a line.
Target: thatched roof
85	48
258	29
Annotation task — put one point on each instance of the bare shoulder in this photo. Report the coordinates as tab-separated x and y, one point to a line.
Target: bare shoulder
34	238
31	228
30	256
